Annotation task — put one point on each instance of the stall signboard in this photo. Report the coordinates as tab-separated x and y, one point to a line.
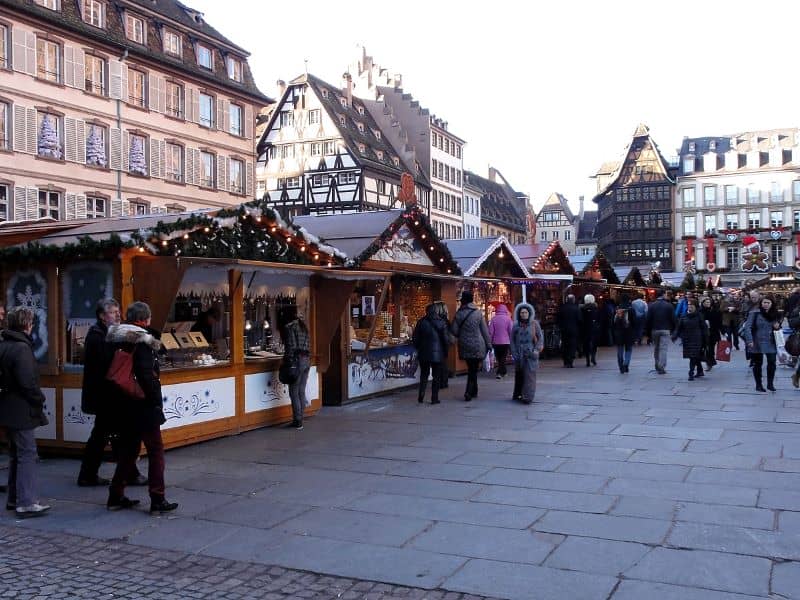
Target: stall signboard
403	247
381	370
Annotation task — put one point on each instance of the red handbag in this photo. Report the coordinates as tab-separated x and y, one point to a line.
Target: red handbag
120	373
723	351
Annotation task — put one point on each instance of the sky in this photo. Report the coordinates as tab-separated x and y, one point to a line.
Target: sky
545	92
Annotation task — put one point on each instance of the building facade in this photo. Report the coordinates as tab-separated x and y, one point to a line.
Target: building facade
413	128
555	221
472	210
737	186
322	153
501	208
586	241
125	107
634	205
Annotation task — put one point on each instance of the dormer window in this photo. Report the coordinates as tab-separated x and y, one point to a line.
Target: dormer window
324	93
205	57
396	161
691	146
94	13
360	128
51	4
234	66
361	110
377	135
172	43
341	121
343	102
712	145
362	148
379	154
134	28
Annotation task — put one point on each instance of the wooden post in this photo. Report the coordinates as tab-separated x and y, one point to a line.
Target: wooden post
236	287
126	295
378	310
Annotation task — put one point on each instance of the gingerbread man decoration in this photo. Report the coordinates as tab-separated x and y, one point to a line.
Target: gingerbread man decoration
753	259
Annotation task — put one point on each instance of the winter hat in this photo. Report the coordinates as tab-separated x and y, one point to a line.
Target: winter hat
750	241
588	299
466	297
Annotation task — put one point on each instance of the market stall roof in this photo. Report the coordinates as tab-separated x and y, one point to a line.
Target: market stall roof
544	258
472	254
631	275
350	233
19	232
673	279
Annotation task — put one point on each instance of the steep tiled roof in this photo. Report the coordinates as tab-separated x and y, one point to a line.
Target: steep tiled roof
156	13
470	254
499	204
558	199
377	152
745	141
608	167
586	227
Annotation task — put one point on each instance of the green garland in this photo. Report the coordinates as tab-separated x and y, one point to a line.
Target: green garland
86	248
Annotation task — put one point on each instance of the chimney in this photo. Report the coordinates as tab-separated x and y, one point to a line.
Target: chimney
347	88
580	208
281	87
492	174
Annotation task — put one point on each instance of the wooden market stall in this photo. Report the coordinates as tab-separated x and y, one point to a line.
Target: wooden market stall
373	336
217	380
779	283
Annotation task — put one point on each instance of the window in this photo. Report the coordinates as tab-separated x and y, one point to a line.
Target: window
287	151
360	127
688	165
206	110
207	169
96	148
235	119
96	207
174	99
137	155
174	162
4	129
776	251
349	177
796	191
51	4
136	88
329	148
381	186
555	234
313	116
287	118
709	195
204	57
95	75
753	195
731	195
732	221
134	28
234	68
796	220
689	226
732	254
49	204
48	60
754	220
3	202
48	142
316	149
687	194
236	176
776	219
775	192
543	236
93	13
4	47
710	224
172	43
139	208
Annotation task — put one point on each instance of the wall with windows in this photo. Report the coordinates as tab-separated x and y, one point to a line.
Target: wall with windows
471	207
89	131
447	179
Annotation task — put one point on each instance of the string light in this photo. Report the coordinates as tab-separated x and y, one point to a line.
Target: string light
164	243
302	248
141	249
186	236
273	229
206	229
423	236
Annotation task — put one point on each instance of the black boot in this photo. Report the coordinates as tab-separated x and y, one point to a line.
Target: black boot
159	504
770	377
759	386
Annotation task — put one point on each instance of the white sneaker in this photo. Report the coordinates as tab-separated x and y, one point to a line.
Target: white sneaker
34	510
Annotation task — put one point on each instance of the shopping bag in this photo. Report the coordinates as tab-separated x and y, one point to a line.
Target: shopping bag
723	351
488	362
780	340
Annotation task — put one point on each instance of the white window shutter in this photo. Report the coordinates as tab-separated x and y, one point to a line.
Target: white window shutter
69	66
153	87
196	167
20	129
222	174
70	141
19	55
126	151
80	68
31	133
193	105
249	180
80	134
158	149
126	208
115	148
188	171
70	200
30	53
221	114
248	122
116	207
124	84
31	203
162	95
80	206
115	79
20	199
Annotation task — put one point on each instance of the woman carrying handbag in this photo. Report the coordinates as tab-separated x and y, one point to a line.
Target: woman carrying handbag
297	350
760	339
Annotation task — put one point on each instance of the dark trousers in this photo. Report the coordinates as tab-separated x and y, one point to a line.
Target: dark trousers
126	466
758	360
519	380
732	334
695	366
425	369
473	365
104	430
590	350
568	346
500	355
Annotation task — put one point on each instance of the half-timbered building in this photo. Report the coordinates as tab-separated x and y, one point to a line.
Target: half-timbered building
556	222
502	210
634	207
322	152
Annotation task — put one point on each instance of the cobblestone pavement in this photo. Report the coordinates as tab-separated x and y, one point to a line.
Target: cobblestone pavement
610	486
37	565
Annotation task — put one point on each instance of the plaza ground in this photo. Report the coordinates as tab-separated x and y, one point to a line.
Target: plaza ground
609	486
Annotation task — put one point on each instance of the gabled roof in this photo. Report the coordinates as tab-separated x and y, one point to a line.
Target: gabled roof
596	263
538	253
607	168
586	228
471	254
745	141
557	200
378	152
642	131
631	275
499	204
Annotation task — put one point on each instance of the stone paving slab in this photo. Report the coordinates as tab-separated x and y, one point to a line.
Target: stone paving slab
646	531
591	555
738	540
637	590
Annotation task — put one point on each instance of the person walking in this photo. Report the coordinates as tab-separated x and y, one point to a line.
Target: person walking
713	320
693	333
469	328
141	417
21	412
640	312
729	309
500	333
444	371
297	344
659	325
760	340
590	329
623	329
99	398
569	324
751	303
527	342
430	340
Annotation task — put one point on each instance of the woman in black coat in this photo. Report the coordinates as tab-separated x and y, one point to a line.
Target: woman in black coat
713	318
624	333
693	333
431	341
590	329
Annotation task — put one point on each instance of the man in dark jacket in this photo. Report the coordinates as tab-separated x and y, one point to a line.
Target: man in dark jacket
141	417
661	323
431	341
469	327
21	411
99	398
569	323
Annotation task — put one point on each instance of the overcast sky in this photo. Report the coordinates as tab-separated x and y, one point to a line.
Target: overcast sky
548	91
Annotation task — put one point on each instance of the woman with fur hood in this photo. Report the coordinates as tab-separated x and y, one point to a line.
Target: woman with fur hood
141	418
527	341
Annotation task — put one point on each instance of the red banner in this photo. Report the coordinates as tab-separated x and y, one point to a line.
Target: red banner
710	256
797	236
689	249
